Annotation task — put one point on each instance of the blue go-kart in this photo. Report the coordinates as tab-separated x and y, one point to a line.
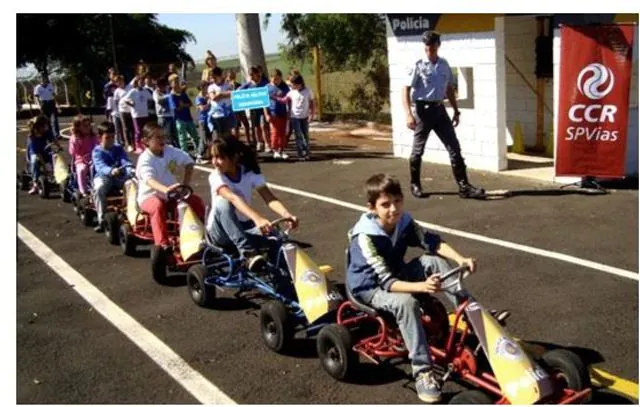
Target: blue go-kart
301	297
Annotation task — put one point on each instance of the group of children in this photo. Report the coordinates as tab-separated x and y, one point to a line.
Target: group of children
165	102
377	273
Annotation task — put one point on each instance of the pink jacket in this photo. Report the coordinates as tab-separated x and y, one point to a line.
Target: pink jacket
81	148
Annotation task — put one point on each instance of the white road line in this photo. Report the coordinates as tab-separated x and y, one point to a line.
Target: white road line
498	242
196	384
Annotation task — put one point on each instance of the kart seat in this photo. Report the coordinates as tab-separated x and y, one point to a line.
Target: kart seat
357	304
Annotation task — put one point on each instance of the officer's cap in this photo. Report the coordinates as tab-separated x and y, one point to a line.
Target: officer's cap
431	38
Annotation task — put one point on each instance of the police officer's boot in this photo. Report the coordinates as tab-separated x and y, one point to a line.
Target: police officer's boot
416	188
465	189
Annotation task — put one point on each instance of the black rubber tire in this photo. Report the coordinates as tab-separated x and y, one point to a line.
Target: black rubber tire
276	326
569	365
64	192
159	265
25	182
112	227
471	397
128	242
43	186
87	214
335	351
202	294
434	308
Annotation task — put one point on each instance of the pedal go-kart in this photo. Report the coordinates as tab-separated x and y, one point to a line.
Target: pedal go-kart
186	233
301	297
476	350
51	175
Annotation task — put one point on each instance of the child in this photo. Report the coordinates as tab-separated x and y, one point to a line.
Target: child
138	98
220	101
277	115
39	136
302	109
156	172
150	87
377	274
182	113
108	159
241	116
256	80
81	144
204	132
124	113
232	221
164	111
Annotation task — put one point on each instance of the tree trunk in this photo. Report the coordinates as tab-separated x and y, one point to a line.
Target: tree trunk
250	43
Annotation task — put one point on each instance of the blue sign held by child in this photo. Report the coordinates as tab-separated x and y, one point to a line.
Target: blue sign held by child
252	98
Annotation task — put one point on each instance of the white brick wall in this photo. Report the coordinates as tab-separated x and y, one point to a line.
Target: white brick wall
478	129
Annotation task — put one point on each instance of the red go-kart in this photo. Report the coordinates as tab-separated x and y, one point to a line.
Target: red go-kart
475	350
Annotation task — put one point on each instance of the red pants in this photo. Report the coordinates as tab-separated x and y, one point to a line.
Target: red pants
278	132
157	210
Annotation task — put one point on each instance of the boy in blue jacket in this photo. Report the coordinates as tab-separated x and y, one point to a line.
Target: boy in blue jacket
378	276
111	168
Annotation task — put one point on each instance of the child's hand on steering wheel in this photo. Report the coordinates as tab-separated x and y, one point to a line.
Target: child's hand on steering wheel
293	222
172	187
264	225
471	262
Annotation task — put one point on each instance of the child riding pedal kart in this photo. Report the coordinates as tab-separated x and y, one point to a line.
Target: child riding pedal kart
246	251
40	149
390	312
154	215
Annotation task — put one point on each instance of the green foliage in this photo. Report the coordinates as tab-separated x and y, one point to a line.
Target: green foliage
82	43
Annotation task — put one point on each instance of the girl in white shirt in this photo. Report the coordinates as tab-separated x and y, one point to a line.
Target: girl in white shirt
156	171
302	108
138	98
232	220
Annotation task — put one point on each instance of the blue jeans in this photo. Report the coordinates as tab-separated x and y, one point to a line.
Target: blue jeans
226	229
35	165
101	186
301	129
406	309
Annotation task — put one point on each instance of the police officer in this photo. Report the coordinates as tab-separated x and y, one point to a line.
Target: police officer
430	80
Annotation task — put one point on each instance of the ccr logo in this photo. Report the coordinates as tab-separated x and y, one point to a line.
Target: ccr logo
600	75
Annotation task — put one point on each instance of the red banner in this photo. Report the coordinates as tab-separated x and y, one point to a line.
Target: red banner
593	109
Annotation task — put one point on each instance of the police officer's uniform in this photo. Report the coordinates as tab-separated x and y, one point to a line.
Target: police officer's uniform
429	82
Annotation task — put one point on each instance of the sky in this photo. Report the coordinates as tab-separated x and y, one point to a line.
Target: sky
217	32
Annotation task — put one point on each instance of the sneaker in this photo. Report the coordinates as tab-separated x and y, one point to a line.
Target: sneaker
276	155
256	263
33	190
129	148
99	228
428	387
258	147
284	156
267	149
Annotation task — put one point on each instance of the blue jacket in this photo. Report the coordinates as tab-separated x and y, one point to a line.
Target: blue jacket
106	160
375	259
36	145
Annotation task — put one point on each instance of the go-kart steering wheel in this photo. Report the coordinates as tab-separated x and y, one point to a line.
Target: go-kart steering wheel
181	192
461	271
278	221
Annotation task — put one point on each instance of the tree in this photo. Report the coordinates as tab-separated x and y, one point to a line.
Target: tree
82	44
354	42
250	47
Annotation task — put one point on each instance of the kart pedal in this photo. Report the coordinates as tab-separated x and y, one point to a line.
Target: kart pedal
500	316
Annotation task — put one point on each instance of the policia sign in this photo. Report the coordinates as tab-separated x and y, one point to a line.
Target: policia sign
404	25
408	25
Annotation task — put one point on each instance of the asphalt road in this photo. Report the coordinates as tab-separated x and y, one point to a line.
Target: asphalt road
68	353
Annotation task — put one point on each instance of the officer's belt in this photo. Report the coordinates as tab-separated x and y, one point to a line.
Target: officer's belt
428	103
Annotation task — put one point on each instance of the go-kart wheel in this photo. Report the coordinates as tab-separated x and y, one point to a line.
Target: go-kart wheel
64	192
24	181
159	265
127	240
86	213
335	350
112	227
471	397
202	294
43	187
276	326
568	368
439	326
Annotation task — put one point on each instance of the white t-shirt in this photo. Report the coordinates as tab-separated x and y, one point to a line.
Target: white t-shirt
140	99
44	92
118	101
243	187
163	169
300	102
221	107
